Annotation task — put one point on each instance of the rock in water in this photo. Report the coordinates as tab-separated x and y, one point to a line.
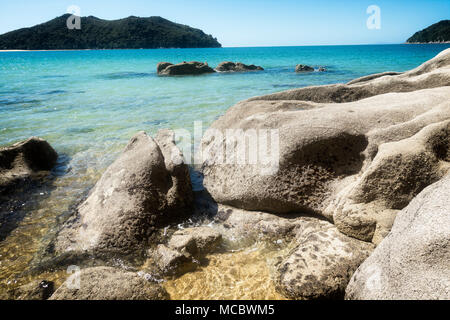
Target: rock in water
161	66
321	264
197	241
184	68
303	68
147	187
26	160
105	283
172	262
356	163
413	261
228	66
36	290
185	249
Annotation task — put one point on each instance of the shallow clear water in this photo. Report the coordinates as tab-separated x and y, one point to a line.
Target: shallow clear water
88	104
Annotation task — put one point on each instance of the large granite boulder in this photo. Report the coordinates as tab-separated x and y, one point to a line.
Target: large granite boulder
184	68
321	263
303	68
25	160
228	66
413	261
105	283
146	188
356	163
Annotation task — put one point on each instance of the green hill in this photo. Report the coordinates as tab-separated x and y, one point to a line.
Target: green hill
439	32
95	33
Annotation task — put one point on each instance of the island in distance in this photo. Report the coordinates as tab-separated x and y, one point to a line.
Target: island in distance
436	33
129	33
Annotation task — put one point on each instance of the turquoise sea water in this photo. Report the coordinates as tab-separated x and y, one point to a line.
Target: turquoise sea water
88	104
91	100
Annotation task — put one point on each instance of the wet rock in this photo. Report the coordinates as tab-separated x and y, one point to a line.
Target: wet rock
36	290
355	163
322	69
161	66
146	188
185	250
321	264
26	160
184	68
173	262
228	66
105	283
303	68
413	261
197	241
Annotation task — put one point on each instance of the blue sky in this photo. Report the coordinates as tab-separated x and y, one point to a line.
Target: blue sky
253	22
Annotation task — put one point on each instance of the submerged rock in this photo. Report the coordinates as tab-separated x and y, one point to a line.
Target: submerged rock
303	68
184	68
228	66
146	188
25	160
197	241
172	262
185	250
36	290
356	163
321	264
413	261
105	283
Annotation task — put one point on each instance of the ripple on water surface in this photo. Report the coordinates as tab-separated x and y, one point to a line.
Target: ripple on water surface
242	275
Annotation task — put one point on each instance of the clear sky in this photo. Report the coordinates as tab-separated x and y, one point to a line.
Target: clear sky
253	22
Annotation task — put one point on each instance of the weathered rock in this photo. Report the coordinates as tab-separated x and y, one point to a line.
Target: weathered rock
185	250
356	163
240	228
303	68
228	66
172	262
161	66
105	283
373	76
321	264
413	261
25	160
36	290
184	68
147	187
197	241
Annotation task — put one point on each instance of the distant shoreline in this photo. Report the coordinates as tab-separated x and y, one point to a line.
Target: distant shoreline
51	50
431	42
325	45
